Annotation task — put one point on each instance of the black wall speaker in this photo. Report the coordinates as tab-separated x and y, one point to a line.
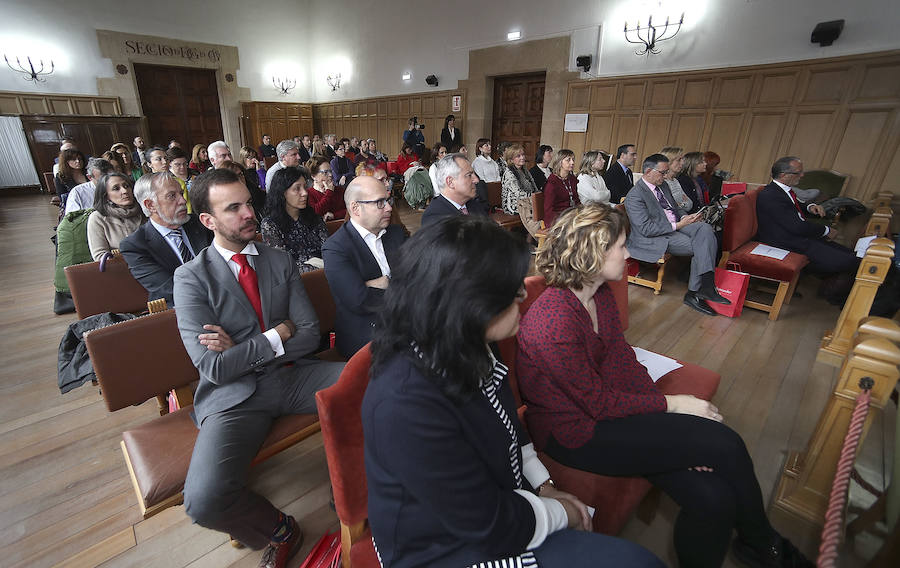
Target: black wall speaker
826	32
432	80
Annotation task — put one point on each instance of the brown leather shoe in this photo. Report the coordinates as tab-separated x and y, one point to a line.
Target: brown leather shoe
277	554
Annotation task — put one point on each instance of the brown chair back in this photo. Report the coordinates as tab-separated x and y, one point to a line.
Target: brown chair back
494	194
112	290
740	223
333	225
139	359
537	205
269	160
320	296
49	182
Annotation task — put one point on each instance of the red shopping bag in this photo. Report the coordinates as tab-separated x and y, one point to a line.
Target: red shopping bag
731	285
326	553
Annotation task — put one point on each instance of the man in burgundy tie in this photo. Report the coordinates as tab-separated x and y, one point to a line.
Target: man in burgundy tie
784	223
249	328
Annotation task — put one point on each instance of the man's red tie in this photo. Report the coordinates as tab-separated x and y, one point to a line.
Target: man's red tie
248	281
796	204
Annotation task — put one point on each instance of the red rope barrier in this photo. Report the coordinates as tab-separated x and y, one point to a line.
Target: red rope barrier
834	517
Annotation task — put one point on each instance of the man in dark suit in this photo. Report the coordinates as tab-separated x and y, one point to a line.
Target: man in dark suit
783	224
358	259
248	326
171	238
305	148
659	226
266	149
618	176
137	157
456	181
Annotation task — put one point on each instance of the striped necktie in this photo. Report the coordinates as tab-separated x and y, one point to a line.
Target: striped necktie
185	252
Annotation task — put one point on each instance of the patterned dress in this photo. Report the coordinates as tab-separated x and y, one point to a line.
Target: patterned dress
302	241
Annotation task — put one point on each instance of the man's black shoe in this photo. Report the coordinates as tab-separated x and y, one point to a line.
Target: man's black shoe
711	295
693	300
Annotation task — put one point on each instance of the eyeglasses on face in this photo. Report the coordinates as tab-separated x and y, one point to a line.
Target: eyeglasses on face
379	203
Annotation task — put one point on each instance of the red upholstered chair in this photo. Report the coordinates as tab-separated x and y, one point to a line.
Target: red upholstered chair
614	498
737	243
340	408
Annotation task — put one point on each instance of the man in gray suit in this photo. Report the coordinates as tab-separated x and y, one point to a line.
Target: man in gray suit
659	226
247	325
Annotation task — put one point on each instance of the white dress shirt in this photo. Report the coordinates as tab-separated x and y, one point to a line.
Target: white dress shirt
164	233
787	190
376	246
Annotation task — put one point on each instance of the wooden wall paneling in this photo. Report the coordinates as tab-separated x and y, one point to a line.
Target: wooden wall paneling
695	93
575	141
687	130
806	131
662	94
403	108
776	89
603	97
825	85
35	105
442	106
763	136
723	136
600	130
891	180
632	95
428	105
855	156
732	90
415	106
579	97
103	136
293	127
61	105
880	83
654	132
626	128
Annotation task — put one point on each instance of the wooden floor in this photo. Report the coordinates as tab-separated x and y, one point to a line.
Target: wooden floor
65	496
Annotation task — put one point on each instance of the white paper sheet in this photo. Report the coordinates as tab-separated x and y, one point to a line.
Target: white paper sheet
771	252
315	261
657	365
862	245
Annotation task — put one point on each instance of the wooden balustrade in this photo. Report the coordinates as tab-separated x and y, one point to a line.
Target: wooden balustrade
807	476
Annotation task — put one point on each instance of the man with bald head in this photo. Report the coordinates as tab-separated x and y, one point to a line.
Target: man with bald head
358	259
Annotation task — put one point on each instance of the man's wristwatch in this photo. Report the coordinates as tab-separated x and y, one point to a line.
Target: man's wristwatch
548	483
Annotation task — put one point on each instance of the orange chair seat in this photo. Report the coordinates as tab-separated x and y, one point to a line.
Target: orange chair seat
764	267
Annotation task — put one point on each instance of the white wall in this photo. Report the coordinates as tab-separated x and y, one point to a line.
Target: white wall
373	42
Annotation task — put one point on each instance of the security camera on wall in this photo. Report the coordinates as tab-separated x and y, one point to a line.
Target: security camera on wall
431	80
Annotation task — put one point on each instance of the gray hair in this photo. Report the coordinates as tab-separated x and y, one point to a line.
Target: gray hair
653	160
213	146
98	164
780	167
284	147
147	186
448	166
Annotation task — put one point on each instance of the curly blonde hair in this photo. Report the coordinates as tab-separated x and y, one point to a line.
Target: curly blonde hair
573	252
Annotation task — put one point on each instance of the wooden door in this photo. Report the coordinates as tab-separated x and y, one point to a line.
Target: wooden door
179	103
518	111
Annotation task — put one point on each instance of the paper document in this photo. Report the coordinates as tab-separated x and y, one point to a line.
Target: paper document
862	245
771	252
315	261
657	365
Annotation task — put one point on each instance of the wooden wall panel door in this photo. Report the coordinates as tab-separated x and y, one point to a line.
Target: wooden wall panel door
179	103
518	111
103	135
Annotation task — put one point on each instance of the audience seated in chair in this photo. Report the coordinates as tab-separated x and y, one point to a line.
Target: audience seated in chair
540	171
517	182
116	214
358	259
288	157
82	196
290	223
168	240
561	189
247	325
326	199
438	396
619	177
592	406
456	180
591	186
659	226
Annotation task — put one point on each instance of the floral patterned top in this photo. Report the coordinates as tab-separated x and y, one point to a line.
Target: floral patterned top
302	241
513	189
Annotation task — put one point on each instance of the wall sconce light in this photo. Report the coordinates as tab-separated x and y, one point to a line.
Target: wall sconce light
406	76
30	73
334	81
283	84
649	35
513	36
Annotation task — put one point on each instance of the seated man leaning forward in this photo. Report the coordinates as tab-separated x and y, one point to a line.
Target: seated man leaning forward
659	226
247	325
456	182
171	238
358	259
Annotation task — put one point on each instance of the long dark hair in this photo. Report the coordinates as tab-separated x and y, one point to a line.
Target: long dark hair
470	270
276	204
101	201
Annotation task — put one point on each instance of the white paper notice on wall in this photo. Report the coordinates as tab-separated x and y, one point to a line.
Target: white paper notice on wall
456	102
576	122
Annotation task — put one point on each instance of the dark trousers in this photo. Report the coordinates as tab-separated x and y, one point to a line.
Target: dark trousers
830	257
662	448
577	549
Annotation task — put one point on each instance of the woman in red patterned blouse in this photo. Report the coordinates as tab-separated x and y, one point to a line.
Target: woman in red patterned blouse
593	407
326	199
561	189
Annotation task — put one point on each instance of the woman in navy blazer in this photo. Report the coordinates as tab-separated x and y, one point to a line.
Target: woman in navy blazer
453	478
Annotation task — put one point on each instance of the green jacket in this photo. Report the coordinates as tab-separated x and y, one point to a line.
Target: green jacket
71	245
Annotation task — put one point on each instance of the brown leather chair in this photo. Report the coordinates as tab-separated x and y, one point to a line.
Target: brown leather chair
333	225
495	201
269	161
144	358
99	287
320	296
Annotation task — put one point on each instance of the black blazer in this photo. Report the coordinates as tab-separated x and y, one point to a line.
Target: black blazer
153	262
441	207
348	265
452	144
687	185
304	155
779	224
618	182
540	180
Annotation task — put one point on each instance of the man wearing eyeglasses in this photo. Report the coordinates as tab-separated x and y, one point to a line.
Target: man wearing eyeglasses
783	223
358	259
659	226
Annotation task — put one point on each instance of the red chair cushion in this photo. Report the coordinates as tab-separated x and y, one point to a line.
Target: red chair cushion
362	553
740	222
765	267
